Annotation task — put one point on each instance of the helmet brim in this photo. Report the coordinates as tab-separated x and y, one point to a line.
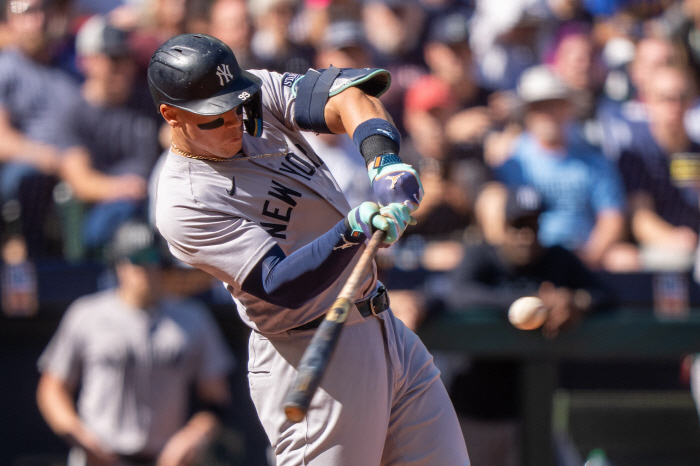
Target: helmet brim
234	94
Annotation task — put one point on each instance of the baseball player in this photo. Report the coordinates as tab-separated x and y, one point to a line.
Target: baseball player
243	196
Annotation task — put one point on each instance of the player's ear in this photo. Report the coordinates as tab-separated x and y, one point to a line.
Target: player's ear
170	115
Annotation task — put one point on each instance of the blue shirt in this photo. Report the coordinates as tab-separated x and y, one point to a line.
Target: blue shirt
575	185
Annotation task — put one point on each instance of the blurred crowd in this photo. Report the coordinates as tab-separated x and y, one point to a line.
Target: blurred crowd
591	103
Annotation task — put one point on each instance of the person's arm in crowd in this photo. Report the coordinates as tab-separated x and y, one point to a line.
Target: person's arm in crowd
90	185
188	444
651	230
55	401
16	147
608	201
647	226
608	230
577	292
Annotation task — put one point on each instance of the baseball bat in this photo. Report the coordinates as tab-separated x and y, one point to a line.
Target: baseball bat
315	359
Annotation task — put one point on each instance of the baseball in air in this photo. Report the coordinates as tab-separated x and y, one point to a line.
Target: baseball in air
527	313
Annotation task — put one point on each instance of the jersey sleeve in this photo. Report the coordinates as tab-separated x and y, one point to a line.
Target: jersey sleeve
223	246
63	355
278	95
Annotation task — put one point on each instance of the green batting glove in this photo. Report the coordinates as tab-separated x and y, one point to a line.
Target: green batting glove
368	217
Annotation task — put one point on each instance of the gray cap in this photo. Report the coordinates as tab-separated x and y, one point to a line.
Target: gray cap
539	83
97	36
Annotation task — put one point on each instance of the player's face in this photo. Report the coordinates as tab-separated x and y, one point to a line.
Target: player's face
210	135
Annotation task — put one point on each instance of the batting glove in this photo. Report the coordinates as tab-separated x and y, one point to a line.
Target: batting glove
395	183
393	219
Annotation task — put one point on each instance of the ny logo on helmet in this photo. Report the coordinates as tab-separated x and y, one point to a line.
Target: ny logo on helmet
223	72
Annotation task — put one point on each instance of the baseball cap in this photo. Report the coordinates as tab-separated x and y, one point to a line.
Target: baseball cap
522	203
96	36
427	93
449	29
539	83
139	243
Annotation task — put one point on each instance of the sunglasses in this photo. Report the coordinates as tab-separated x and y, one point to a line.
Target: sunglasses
219	122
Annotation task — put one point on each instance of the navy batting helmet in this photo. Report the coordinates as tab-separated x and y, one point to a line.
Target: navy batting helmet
200	74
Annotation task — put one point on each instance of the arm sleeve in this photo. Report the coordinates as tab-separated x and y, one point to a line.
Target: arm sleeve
292	280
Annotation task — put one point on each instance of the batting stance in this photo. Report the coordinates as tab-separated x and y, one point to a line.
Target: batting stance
244	197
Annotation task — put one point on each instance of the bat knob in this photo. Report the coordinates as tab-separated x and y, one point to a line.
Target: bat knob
294	413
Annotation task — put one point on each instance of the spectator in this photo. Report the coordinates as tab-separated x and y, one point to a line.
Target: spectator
225	13
448	56
664	213
505	38
135	356
272	44
619	118
33	97
574	60
394	29
343	46
449	177
110	136
581	191
491	278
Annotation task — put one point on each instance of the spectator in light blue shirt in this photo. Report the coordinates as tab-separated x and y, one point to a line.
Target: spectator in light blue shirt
582	191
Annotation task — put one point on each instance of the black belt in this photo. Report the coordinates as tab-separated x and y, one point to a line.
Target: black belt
370	306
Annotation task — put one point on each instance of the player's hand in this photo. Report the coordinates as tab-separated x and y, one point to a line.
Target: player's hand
393	219
396	183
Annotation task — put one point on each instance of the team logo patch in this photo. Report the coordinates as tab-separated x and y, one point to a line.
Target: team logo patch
223	72
289	78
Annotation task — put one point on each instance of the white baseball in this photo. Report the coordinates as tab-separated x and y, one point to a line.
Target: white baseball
527	313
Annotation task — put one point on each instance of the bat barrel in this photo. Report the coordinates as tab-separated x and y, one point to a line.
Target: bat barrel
315	359
313	363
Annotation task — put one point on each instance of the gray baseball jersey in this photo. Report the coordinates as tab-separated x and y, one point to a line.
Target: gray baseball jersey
135	367
223	217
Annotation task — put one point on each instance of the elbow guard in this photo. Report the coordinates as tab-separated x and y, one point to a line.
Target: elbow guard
314	89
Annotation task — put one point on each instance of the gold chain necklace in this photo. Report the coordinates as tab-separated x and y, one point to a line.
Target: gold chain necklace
220	159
